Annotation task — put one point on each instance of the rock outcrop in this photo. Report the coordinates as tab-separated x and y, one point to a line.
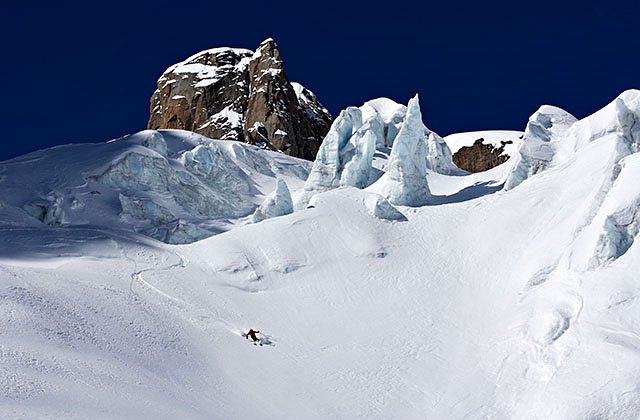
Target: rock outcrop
480	156
236	94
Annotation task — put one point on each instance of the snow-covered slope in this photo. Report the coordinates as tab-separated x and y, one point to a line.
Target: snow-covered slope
485	303
172	185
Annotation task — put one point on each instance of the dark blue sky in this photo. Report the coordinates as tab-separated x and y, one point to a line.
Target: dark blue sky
85	71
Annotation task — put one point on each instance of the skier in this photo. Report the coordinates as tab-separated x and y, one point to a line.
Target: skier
252	334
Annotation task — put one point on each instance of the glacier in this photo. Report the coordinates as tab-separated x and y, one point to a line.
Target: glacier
171	185
487	302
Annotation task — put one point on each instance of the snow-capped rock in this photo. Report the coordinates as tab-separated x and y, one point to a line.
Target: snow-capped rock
223	93
278	203
406	182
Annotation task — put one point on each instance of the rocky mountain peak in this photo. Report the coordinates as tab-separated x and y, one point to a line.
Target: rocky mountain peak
268	52
238	94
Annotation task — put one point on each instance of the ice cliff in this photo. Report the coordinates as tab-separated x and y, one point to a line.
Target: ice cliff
171	185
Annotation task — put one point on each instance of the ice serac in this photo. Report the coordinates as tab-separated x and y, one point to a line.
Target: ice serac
619	216
345	158
335	152
389	115
236	94
278	203
538	147
174	186
628	126
357	170
407	173
439	157
613	212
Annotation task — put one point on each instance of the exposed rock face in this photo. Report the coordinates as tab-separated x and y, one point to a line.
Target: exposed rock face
480	156
236	94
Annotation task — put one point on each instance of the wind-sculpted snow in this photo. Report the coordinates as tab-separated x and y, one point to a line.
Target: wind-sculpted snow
406	182
278	203
537	151
174	186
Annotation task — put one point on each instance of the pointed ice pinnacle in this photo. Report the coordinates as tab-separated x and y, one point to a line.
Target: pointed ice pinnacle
407	173
278	203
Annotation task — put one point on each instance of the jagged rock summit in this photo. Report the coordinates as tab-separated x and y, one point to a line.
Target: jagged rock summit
237	94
